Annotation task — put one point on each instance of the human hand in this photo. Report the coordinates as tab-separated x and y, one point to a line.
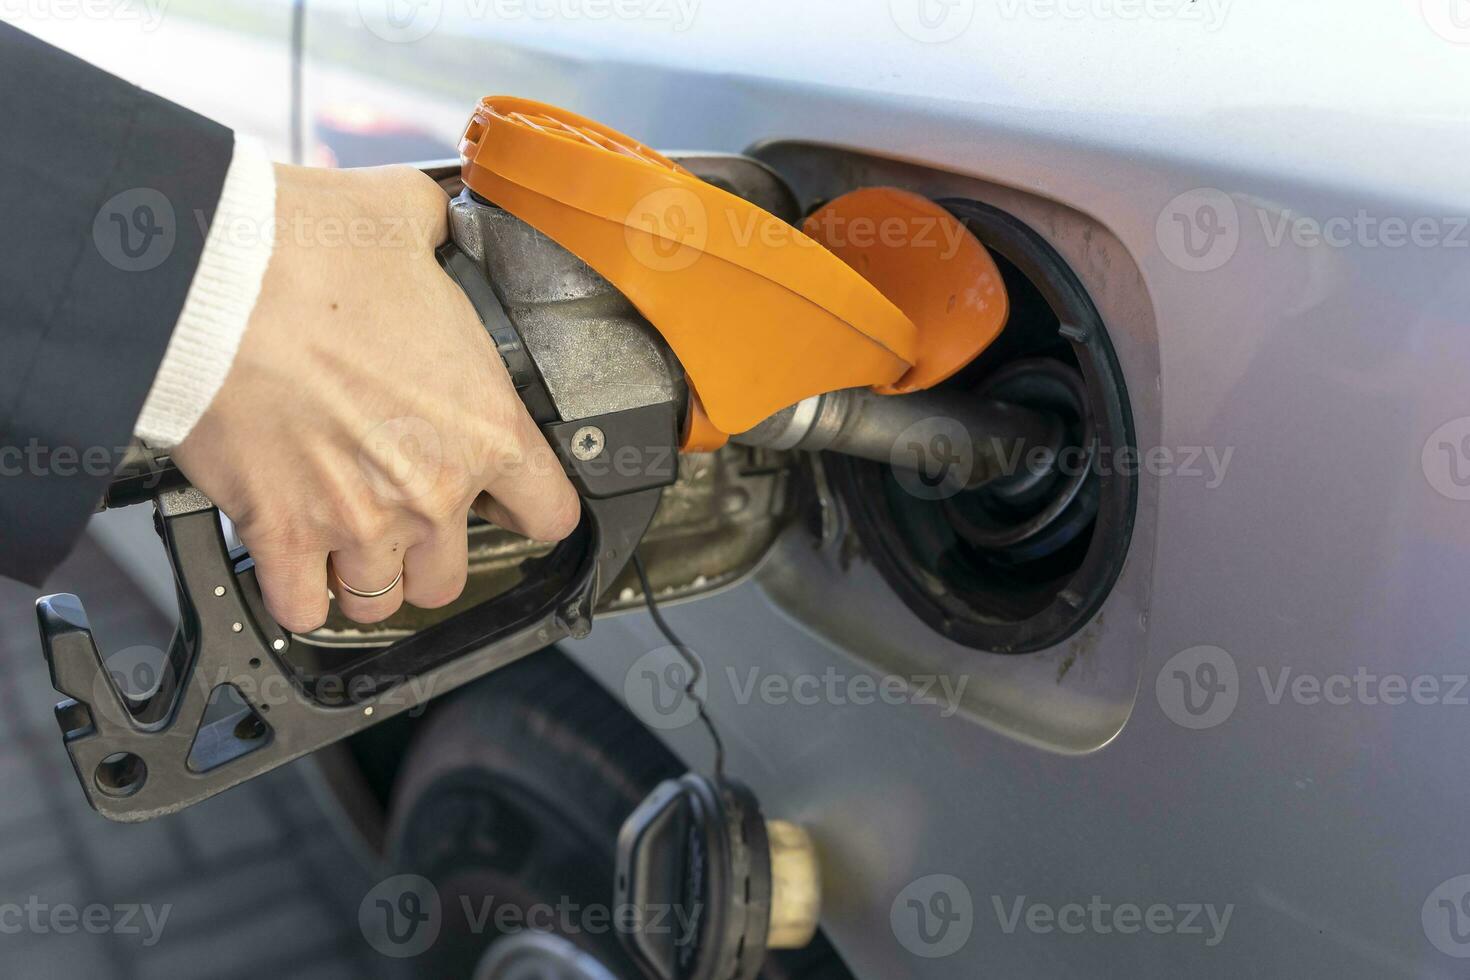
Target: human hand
367	410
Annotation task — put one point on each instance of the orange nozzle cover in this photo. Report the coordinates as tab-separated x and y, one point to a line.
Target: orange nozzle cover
930	265
700	434
760	315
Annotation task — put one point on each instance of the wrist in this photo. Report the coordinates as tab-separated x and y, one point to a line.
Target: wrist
220	300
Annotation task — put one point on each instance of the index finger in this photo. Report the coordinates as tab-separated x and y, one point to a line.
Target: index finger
528	490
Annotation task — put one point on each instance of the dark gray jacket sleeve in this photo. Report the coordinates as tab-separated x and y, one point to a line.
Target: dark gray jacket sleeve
106	192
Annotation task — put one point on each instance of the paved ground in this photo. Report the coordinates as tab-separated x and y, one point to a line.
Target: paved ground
254	883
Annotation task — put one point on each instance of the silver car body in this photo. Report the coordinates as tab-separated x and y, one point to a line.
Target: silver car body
1253	757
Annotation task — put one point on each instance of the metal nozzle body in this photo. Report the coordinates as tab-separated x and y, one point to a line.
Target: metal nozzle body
860	422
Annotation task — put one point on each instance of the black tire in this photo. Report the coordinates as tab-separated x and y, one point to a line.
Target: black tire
510	799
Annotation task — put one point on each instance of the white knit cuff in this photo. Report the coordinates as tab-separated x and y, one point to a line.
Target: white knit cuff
226	285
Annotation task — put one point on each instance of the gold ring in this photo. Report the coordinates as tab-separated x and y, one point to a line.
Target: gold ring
372	595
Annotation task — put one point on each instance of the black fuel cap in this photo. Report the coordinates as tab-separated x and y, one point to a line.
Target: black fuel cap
694	878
